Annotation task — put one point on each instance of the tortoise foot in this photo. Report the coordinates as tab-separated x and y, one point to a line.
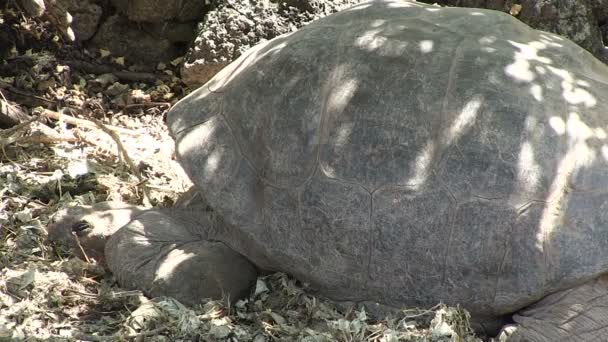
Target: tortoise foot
162	257
84	230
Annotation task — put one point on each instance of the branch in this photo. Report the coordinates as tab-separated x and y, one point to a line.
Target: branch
83	123
131	76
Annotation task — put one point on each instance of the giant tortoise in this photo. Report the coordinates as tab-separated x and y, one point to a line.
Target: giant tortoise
393	154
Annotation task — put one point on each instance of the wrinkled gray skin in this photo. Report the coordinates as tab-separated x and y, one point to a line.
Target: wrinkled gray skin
395	153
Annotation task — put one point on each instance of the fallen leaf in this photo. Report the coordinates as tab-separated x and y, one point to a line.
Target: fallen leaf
515	9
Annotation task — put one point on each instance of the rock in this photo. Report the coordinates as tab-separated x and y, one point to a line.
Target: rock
600	7
235	26
124	38
86	16
302	5
604	30
58	15
157	11
34	8
174	31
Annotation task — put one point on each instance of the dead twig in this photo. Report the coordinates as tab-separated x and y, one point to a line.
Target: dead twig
125	156
130	76
147	105
82	122
41	139
112	295
422	312
86	258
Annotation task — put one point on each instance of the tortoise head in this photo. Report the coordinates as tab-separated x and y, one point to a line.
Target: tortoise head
84	230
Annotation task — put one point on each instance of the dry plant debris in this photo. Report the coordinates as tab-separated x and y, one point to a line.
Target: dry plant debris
96	132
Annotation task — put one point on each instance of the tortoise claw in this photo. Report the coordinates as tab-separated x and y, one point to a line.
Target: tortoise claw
81	227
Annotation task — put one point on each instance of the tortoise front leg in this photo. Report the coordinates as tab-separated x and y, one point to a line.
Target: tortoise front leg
162	257
84	230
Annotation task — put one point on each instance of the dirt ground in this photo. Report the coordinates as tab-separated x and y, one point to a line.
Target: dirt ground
93	131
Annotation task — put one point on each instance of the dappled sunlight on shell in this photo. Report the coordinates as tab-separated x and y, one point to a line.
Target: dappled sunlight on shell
577	130
541	70
573	94
203	132
197	138
422	167
558	124
377	23
605	152
344	133
328	171
520	70
550	40
583	83
600	133
465	119
342	93
401	4
487	40
358	7
578	155
537	92
426	46
371	40
227	74
212	162
528	170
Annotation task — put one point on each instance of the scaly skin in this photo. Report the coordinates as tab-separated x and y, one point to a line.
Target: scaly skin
90	227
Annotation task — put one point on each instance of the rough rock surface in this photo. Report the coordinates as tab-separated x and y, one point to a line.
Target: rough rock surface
34	8
124	38
148	30
156	11
582	21
85	17
235	26
600	7
175	32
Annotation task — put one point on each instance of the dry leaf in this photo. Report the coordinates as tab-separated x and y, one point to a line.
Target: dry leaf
515	9
104	53
119	60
